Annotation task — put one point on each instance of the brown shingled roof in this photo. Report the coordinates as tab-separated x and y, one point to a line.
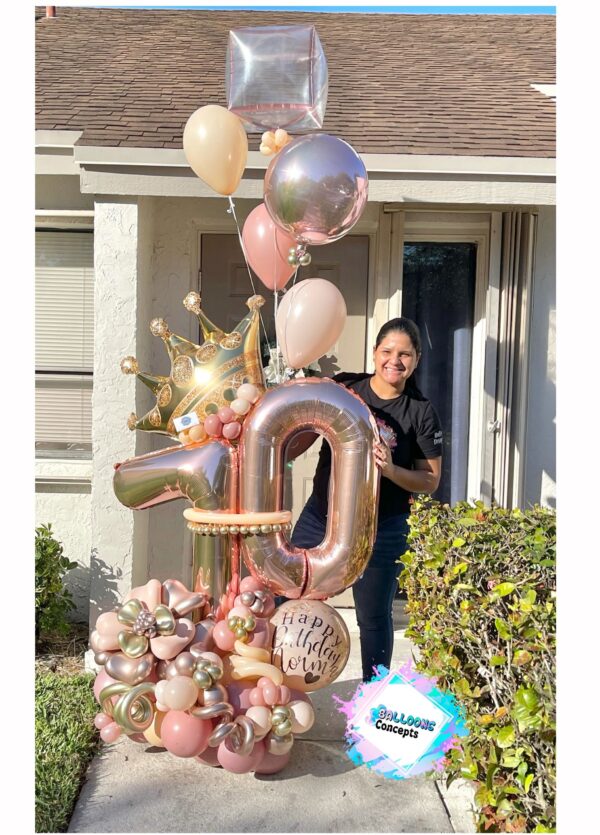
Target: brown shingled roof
402	84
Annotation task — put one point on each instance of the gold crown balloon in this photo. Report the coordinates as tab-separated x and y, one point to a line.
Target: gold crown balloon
203	377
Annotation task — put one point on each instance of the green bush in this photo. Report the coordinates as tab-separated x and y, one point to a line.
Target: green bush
65	742
481	598
52	601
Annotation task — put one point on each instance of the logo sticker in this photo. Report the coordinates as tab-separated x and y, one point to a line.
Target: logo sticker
400	724
184	422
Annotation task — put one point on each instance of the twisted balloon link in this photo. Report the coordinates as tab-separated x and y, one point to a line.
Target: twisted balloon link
238	733
251	662
133	711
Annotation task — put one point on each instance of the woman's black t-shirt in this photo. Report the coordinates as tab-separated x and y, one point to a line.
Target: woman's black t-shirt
418	436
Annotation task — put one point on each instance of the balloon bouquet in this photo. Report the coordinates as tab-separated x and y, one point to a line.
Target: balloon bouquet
218	672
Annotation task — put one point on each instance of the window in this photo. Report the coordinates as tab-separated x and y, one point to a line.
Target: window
64	267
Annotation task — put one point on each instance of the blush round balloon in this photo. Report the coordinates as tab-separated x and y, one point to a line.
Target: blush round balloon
316	188
216	146
310	320
238	764
267	248
184	735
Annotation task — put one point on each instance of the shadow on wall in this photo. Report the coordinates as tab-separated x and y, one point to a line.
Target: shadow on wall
104	583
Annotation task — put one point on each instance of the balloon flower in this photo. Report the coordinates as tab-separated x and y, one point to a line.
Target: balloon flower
181	700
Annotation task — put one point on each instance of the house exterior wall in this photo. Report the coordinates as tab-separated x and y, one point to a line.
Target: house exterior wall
63	498
63	486
146	261
540	444
119	536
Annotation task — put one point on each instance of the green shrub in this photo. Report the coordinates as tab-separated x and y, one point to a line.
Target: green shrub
52	601
481	598
65	741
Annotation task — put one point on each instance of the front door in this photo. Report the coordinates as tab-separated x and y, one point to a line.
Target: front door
443	288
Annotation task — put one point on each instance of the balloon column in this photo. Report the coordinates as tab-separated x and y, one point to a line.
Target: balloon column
315	188
217	672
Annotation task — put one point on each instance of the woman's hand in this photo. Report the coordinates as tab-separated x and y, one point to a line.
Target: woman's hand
383	459
425	478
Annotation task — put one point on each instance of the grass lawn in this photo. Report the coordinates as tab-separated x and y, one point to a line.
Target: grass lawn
65	741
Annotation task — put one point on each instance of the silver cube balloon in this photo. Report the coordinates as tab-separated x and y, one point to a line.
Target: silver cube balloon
276	77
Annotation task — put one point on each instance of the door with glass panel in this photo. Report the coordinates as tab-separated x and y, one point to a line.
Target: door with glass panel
443	288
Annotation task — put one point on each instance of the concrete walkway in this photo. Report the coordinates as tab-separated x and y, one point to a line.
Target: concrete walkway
136	788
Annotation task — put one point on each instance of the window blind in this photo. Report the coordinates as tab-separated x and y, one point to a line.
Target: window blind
64	339
63	411
64	320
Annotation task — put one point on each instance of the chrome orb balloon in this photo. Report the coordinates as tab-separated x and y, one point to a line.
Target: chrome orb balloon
316	188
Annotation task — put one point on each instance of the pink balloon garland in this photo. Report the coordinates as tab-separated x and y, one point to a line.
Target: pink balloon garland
206	701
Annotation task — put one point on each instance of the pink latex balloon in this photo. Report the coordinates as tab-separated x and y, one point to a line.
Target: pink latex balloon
102	680
241	765
184	735
213	425
262	635
250	583
110	733
238	696
310	320
271	694
232	430
101	720
223	636
240	611
257	698
271	763
267	248
225	414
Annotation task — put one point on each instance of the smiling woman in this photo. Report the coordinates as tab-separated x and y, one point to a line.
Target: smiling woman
410	462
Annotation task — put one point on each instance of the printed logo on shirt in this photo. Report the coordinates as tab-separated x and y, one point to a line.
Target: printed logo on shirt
438	437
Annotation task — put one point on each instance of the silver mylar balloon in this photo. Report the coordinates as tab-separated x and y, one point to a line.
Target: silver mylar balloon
316	188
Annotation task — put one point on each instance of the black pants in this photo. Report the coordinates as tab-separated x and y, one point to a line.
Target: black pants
374	591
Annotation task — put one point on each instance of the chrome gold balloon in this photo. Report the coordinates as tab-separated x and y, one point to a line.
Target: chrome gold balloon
134	711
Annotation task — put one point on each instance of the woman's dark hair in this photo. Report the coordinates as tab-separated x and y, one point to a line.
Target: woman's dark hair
410	328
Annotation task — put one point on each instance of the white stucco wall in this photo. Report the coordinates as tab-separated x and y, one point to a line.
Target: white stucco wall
119	537
540	445
63	499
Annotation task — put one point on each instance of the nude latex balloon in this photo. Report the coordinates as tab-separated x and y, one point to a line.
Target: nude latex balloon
216	146
310	320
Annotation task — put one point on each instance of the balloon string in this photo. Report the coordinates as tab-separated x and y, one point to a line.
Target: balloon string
289	308
275	306
231	211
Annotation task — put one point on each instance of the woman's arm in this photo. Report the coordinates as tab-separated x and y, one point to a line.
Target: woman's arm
425	478
300	444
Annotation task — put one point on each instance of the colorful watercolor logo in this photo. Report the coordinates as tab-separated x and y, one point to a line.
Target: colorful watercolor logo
400	725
